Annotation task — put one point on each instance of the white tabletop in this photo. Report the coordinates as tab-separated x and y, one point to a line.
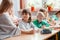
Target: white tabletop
36	36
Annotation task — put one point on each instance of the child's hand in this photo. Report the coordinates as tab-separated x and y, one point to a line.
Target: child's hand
30	31
43	27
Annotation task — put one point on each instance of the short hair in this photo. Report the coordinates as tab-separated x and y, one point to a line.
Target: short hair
42	10
40	13
5	5
57	12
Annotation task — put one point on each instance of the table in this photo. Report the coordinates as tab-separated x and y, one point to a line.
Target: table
36	36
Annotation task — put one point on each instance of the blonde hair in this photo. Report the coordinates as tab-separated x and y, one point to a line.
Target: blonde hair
5	5
44	10
41	13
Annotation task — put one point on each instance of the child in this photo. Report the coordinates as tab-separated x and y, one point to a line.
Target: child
56	16
56	19
39	22
47	17
25	24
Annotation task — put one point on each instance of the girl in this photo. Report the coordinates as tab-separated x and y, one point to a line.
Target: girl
7	27
25	24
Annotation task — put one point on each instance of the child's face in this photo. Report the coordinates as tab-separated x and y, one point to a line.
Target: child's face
40	17
10	10
25	17
58	15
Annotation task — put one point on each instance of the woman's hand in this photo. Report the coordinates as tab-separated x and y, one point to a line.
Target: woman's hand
16	22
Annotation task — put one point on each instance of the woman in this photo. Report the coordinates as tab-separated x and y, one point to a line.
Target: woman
14	18
7	27
25	24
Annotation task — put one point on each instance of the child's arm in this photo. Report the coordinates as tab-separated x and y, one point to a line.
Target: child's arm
30	31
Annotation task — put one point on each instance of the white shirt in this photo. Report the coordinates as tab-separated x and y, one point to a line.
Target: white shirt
25	26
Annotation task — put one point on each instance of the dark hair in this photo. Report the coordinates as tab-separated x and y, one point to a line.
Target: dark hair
57	12
42	10
5	5
27	12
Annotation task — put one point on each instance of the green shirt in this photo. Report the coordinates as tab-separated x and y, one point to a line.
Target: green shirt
54	17
40	24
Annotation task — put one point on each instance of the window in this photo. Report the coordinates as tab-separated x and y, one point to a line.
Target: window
0	2
35	3
54	3
16	6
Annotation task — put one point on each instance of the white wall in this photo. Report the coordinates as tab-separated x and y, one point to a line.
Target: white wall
16	6
0	1
35	3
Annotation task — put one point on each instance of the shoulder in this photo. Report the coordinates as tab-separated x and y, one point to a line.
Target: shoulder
35	21
53	16
4	15
44	22
21	22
